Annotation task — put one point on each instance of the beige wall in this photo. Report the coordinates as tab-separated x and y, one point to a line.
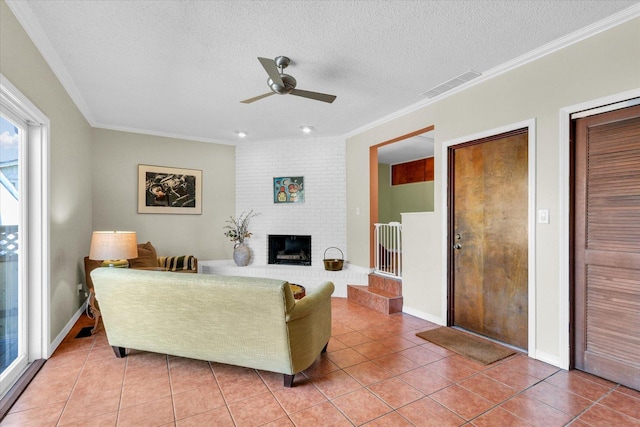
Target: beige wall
93	178
602	65
69	165
422	266
358	209
116	156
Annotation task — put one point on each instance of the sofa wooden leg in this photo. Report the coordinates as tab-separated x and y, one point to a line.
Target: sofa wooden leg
288	380
120	352
95	322
94	311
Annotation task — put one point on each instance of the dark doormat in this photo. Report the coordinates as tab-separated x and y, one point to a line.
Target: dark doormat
85	332
468	345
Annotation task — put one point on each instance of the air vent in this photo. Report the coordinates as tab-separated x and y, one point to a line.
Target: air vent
450	84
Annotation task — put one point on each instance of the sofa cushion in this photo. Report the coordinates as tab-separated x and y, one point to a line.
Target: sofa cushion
146	256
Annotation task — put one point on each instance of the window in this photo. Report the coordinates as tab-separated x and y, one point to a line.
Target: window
24	279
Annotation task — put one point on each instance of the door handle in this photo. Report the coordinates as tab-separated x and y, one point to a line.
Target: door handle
457	246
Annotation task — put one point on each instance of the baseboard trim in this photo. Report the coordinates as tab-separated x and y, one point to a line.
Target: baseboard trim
56	342
550	359
424	316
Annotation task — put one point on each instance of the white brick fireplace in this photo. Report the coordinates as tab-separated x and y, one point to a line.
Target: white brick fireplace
321	161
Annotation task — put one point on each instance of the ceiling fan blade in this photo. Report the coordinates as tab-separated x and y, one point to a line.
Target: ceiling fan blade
271	69
314	95
257	98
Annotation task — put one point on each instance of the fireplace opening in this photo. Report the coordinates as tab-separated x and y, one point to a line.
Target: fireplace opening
288	249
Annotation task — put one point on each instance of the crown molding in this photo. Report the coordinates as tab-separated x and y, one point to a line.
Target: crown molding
211	140
32	27
163	134
547	49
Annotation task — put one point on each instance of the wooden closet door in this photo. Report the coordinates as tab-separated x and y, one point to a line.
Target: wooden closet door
607	246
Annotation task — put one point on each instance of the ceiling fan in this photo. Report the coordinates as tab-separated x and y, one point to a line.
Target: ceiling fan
284	84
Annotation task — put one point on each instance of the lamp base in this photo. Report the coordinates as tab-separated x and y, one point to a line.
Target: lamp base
116	263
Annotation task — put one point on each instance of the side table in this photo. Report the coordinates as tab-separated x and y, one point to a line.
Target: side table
298	290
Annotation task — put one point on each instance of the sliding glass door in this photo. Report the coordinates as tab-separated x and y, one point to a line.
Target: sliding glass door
13	311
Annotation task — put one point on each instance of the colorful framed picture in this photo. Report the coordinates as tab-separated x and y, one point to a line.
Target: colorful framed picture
169	190
288	189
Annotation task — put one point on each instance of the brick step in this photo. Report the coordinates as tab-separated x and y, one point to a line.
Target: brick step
386	284
375	299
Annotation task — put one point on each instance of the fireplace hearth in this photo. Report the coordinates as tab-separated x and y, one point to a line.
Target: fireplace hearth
289	249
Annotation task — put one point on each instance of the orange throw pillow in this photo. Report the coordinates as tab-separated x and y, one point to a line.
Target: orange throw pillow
146	256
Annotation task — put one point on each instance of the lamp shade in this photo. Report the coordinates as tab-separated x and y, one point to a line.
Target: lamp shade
107	245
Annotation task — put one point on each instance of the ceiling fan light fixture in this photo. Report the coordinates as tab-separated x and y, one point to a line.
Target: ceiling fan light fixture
284	84
306	128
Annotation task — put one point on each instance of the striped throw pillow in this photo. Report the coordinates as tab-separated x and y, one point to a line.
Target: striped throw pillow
176	263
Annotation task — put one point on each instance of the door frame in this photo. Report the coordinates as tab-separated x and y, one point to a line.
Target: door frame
36	239
564	216
530	125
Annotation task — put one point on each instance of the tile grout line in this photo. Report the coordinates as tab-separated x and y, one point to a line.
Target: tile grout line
173	402
594	403
75	383
498	405
124	377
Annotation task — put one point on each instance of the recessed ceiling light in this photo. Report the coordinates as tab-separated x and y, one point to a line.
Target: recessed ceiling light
241	133
306	129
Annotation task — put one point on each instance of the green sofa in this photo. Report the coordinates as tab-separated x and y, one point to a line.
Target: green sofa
244	321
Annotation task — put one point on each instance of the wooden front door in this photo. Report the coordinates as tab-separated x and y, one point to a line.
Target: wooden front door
607	245
488	196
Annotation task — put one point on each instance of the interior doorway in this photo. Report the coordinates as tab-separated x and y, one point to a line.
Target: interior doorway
606	244
405	177
489	237
374	187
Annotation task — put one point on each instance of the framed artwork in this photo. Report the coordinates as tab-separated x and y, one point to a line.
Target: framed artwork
168	190
288	189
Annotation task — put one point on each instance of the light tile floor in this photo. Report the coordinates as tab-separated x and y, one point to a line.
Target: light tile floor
376	373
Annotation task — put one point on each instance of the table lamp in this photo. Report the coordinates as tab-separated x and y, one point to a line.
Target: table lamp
113	247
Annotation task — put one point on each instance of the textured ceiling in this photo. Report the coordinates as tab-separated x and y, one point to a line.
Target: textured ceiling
417	147
180	68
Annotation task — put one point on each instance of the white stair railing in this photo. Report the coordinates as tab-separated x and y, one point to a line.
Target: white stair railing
388	244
